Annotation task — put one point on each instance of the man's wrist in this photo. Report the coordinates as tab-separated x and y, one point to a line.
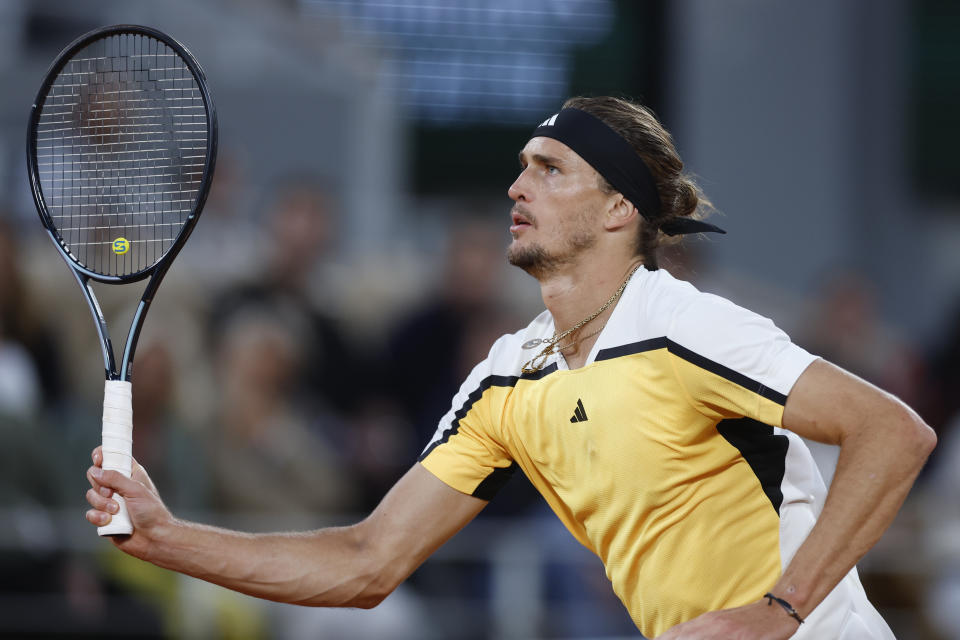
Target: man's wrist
162	541
783	604
797	591
773	621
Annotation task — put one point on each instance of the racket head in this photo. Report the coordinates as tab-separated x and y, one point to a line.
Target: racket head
121	149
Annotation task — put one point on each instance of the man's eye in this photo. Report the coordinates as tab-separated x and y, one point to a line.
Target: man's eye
552	169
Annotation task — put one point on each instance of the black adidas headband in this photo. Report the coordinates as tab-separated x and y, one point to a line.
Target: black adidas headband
615	160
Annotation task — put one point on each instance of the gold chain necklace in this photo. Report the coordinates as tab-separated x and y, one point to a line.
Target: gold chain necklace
552	345
580	339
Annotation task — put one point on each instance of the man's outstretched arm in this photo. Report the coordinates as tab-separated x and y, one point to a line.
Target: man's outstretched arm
883	446
355	566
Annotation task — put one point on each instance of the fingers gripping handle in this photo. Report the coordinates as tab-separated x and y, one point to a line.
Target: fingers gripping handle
118	447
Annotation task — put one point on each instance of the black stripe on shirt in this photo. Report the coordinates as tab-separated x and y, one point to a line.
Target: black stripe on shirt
696	359
476	394
472	397
492	484
765	452
499	476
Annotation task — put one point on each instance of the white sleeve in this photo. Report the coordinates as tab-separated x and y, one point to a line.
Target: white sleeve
738	343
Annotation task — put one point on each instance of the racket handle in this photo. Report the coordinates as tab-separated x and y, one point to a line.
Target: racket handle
118	447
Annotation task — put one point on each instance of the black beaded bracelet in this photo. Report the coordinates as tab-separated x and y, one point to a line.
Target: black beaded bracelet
783	603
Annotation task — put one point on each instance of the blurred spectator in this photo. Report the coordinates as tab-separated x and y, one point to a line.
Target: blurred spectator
298	227
847	329
29	358
943	404
432	350
29	384
19	383
266	452
381	446
163	441
224	246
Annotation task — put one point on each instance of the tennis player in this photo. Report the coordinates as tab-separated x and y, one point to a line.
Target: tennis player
660	423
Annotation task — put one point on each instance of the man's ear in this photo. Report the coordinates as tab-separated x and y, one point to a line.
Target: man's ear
620	214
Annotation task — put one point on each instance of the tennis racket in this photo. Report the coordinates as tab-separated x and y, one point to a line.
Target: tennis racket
121	149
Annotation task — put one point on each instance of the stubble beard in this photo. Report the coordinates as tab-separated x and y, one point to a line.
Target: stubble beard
540	263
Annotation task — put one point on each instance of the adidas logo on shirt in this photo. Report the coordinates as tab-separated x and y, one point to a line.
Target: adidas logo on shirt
579	414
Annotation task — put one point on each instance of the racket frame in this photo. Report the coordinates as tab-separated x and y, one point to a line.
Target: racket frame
157	270
118	404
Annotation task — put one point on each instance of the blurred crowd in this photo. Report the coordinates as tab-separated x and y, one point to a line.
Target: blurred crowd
262	399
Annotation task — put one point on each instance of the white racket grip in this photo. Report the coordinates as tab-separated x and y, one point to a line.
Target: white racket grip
118	447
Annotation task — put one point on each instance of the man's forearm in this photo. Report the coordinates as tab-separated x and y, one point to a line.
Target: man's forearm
356	566
328	567
875	471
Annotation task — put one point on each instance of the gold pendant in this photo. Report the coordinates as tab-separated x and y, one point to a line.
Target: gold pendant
536	363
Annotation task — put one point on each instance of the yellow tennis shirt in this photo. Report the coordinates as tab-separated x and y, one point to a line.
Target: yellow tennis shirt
663	454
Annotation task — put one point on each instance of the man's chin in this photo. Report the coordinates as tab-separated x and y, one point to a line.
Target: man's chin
532	258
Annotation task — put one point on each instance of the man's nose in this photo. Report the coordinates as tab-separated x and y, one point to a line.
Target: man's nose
518	190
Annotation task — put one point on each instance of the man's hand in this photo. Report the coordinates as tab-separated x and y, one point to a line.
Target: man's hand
757	621
146	509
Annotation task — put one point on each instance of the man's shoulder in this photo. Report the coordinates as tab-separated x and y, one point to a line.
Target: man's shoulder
658	299
661	287
667	297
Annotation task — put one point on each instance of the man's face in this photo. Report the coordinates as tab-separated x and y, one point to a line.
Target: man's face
557	207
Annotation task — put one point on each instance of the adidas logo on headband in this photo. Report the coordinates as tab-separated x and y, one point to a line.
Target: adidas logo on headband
549	121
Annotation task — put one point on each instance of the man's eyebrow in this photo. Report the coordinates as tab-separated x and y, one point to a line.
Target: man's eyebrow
542	159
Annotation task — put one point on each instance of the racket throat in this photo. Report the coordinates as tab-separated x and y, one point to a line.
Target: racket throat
100	323
126	363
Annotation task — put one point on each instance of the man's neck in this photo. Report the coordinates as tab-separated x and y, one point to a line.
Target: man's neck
573	293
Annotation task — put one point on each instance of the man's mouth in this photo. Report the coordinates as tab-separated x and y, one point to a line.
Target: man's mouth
520	221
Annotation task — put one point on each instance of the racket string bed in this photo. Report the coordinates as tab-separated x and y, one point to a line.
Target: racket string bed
119	116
